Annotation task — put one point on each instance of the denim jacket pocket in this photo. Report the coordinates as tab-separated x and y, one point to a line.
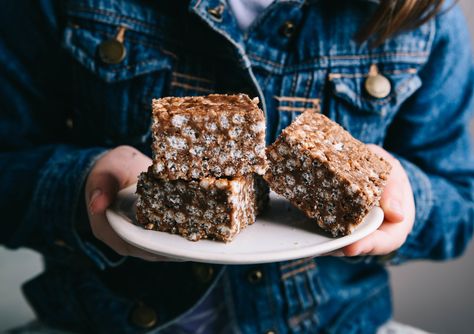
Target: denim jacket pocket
113	101
365	116
303	294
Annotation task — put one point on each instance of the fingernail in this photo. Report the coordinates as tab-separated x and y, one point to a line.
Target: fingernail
396	208
95	194
352	252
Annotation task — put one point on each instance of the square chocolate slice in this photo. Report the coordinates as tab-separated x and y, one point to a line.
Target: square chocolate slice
201	136
326	173
207	208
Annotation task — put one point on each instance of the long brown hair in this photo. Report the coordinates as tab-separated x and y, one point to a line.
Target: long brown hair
395	16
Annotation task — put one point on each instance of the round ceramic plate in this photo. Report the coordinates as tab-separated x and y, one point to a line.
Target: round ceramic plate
281	233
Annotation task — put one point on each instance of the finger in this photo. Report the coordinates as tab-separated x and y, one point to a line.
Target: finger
104	232
383	241
336	253
368	245
120	170
391	199
392	196
131	163
105	188
117	170
391	209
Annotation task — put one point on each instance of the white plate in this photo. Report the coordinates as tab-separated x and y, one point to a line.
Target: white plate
282	233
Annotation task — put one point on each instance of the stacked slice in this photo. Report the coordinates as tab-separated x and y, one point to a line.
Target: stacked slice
208	153
326	173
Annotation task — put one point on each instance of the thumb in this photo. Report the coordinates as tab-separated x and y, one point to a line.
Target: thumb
391	200
104	187
115	170
391	205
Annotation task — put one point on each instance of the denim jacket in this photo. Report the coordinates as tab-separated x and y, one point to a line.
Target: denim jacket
62	106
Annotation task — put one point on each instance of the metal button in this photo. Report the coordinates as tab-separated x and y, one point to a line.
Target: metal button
143	316
63	244
69	123
60	243
378	86
203	273
270	332
216	12
255	276
288	29
112	51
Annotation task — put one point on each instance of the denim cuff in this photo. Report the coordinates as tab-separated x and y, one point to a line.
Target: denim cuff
423	195
52	215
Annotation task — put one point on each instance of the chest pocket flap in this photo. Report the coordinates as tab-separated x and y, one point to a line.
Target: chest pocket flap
365	102
88	28
378	92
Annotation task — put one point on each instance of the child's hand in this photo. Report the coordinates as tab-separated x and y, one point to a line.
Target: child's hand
399	208
115	170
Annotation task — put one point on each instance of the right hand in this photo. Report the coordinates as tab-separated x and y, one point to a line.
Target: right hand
398	205
112	172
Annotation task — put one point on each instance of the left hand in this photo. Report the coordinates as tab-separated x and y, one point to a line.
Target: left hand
399	213
115	170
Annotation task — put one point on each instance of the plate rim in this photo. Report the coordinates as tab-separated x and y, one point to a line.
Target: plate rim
116	221
224	258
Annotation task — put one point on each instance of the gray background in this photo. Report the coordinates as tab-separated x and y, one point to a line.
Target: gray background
438	297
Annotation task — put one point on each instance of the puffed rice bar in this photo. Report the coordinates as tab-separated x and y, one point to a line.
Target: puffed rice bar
207	208
201	136
326	173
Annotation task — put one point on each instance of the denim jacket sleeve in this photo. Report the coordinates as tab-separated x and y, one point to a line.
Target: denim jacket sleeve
42	169
430	136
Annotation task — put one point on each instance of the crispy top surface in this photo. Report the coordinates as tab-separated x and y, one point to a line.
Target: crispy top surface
315	131
329	143
202	104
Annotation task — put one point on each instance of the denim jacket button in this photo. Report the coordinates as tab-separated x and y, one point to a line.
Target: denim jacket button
270	332
378	86
287	29
62	243
203	273
69	123
255	276
143	316
216	12
112	51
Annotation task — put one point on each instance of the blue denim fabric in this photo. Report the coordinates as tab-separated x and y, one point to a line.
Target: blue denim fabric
61	107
